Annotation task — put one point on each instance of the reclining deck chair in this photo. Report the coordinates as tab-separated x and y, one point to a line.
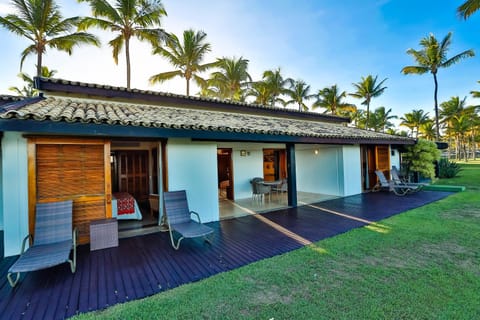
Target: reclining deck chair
398	189
179	219
396	178
52	242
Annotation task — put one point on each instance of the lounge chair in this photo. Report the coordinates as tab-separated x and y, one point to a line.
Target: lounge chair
179	219
396	178
52	242
398	189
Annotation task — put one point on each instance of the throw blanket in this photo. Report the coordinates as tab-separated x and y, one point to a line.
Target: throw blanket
125	203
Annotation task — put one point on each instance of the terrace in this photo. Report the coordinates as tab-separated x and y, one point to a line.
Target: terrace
142	266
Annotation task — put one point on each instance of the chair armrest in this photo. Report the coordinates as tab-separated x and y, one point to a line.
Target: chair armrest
29	237
198	216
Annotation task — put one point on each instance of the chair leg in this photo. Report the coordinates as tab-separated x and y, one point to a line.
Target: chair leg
177	245
12	282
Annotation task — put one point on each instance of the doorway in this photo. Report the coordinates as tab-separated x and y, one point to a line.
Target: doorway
374	158
274	164
225	174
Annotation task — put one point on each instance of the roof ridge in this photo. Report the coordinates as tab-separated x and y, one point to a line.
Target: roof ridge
15	105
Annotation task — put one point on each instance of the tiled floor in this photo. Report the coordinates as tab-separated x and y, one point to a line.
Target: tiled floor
243	207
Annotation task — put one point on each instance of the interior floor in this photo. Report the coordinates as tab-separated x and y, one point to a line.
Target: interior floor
242	207
148	224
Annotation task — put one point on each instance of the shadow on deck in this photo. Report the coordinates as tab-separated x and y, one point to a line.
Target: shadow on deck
145	265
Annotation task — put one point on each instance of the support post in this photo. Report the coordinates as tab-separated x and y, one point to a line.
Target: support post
292	177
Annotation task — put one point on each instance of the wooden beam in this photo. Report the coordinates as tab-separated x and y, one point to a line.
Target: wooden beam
292	177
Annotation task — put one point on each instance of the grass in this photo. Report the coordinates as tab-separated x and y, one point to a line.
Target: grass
427	266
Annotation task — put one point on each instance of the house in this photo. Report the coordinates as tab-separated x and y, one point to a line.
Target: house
82	141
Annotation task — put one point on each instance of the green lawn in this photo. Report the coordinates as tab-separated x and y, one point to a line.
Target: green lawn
424	265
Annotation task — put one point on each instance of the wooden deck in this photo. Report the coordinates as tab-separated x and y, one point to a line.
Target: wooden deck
142	266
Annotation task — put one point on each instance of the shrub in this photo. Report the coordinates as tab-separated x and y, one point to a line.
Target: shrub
447	168
420	158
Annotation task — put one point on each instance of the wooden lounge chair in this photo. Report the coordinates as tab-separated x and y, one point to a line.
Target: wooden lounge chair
179	219
52	242
398	189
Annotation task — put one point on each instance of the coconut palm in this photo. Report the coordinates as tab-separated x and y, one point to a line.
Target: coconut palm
127	19
427	130
187	56
468	8
367	89
42	23
276	84
380	119
28	89
261	92
299	92
431	58
475	94
413	120
230	81
331	99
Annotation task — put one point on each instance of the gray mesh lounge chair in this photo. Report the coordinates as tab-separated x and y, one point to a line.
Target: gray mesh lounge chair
179	219
396	178
52	242
398	189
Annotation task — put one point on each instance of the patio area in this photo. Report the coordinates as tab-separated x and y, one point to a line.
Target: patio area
145	265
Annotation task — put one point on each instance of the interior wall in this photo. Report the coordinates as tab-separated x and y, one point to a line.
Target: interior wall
395	158
318	172
15	204
192	166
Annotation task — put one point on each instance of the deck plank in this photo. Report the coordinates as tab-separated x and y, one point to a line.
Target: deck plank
144	265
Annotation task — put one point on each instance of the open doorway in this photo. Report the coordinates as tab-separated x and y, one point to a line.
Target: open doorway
274	164
374	158
134	175
225	174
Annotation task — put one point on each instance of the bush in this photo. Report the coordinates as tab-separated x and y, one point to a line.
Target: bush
447	168
420	158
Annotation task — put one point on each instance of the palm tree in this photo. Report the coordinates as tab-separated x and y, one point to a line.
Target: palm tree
298	92
380	119
42	23
276	84
261	92
413	120
186	56
432	57
468	8
367	89
475	94
331	100
427	130
127	19
28	89
231	80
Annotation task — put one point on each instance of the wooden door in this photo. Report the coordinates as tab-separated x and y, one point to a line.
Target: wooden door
71	169
132	171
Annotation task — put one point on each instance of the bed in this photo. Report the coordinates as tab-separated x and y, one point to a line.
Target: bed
125	207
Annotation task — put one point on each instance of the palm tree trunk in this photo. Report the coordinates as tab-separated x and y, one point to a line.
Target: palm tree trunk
368	115
127	56
437	126
188	86
39	64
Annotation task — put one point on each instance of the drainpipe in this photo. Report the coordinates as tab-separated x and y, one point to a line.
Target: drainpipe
291	173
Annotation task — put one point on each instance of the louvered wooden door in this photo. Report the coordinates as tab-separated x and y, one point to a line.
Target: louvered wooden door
78	171
382	156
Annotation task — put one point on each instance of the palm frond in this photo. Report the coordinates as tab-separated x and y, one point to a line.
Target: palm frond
164	76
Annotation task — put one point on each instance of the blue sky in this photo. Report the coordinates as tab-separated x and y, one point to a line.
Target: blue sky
323	42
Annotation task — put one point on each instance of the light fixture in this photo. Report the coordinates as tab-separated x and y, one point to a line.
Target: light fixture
243	153
315	151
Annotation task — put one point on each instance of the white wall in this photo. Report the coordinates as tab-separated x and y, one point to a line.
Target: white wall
318	173
395	158
15	191
192	166
1	193
352	170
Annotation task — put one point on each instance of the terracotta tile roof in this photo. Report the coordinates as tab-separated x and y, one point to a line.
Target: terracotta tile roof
4	99
113	113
